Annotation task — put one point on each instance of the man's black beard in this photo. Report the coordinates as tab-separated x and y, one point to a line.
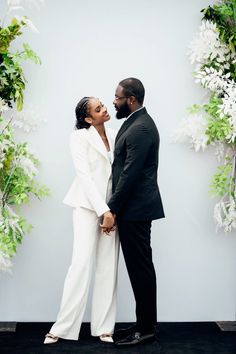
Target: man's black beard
123	111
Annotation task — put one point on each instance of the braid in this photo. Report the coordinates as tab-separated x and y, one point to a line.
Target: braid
81	112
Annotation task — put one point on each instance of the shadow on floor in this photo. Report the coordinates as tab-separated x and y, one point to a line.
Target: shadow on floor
175	338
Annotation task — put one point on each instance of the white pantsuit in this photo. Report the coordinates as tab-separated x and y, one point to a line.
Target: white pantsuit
92	249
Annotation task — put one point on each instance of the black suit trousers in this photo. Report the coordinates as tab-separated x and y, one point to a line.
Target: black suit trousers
135	239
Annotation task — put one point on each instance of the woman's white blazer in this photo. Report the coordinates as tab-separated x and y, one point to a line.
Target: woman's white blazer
93	169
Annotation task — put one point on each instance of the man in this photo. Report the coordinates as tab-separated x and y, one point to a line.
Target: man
135	202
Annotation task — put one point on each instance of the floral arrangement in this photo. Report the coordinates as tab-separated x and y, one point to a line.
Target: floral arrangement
213	122
18	166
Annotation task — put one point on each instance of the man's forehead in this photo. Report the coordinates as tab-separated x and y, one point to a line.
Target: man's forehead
119	88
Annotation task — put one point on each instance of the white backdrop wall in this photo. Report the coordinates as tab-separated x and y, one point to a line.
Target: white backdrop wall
86	48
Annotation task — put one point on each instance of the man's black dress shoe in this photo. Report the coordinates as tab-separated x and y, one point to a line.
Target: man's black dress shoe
135	338
124	332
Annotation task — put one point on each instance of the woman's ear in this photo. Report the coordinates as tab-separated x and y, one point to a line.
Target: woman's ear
88	120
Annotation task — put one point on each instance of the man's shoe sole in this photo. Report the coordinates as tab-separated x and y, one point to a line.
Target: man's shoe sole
144	339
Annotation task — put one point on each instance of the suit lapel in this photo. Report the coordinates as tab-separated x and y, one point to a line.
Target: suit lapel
96	141
122	129
129	121
110	141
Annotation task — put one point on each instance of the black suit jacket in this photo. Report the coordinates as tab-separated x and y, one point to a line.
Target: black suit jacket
136	194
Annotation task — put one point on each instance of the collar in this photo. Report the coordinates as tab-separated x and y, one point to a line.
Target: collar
134	112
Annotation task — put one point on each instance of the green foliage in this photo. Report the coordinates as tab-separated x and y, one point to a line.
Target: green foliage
12	229
214	54
218	127
8	34
28	53
222	182
224	15
18	167
195	108
218	130
212	107
12	81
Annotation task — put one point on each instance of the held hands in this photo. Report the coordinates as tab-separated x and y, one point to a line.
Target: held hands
108	223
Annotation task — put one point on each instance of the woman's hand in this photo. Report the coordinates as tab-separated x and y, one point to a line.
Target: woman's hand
108	224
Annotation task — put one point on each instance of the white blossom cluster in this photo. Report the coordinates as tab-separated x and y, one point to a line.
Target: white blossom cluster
225	214
206	46
5	262
192	129
11	222
222	151
27	165
213	79
220	83
228	108
27	120
204	49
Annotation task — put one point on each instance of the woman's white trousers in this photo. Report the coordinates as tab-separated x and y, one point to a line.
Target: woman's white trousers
92	250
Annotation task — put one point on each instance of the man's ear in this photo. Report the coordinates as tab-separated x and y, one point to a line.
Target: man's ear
131	99
88	120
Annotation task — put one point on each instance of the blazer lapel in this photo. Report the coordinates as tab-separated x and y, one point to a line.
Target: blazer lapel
111	141
96	141
129	121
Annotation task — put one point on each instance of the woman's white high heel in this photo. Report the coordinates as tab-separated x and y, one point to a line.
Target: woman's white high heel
50	339
106	338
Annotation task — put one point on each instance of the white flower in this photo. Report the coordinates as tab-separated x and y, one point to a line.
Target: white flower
230	217
218	215
10	221
225	214
192	129
219	151
28	120
5	262
27	165
28	23
213	79
3	106
207	45
228	107
217	82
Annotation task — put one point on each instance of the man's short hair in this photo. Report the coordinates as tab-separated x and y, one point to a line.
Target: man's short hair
133	87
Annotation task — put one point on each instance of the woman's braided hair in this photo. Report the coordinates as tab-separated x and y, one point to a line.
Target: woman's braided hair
81	112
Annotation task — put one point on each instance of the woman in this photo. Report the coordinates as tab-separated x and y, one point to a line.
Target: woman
92	153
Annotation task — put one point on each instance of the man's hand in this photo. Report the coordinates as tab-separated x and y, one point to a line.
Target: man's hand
108	223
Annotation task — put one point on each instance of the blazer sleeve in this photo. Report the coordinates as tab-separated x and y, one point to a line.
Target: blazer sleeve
79	147
138	144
